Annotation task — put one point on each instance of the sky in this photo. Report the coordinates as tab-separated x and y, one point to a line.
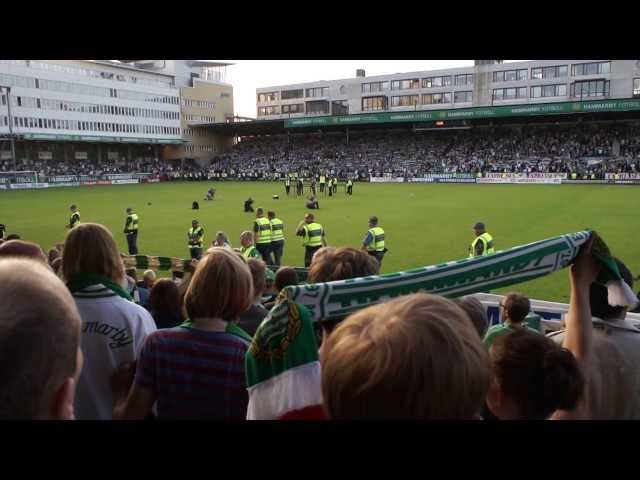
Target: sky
247	75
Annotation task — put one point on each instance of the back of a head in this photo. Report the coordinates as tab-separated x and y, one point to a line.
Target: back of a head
90	248
164	296
539	376
258	275
599	297
133	273
39	338
415	357
517	306
476	312
343	263
221	286
149	276
20	248
285	276
53	254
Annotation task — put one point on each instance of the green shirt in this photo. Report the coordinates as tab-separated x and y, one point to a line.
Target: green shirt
498	330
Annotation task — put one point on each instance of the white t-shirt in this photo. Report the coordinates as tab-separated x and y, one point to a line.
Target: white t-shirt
113	332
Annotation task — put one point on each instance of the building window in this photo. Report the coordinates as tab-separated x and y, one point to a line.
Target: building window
509	93
268	97
318	107
436	98
289	94
374	87
404	101
559	90
462	80
317	92
296	108
463	97
405	84
273	110
590	88
594	68
636	87
433	82
374	103
510	75
556	71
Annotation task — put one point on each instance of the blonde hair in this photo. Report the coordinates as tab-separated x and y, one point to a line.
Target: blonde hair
415	357
246	234
221	286
91	248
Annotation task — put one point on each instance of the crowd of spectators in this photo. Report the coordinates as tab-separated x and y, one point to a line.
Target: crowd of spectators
584	149
83	340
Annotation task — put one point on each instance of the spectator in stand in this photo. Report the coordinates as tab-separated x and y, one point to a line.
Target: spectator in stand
339	264
139	294
253	316
19	248
52	255
56	265
148	279
175	370
164	303
113	326
221	240
286	276
515	307
615	389
416	357
477	313
39	341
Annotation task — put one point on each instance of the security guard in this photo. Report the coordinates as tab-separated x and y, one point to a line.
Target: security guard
262	234
195	236
483	244
131	231
287	185
248	249
323	180
313	237
75	216
373	243
277	237
349	187
330	186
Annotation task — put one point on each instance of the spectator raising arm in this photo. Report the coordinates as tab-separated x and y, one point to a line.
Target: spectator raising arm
579	330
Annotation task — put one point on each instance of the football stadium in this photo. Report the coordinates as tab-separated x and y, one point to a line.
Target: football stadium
320	260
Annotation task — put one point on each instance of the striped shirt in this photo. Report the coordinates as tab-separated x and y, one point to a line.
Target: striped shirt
195	373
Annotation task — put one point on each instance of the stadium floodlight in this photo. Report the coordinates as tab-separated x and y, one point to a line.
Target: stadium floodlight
5	89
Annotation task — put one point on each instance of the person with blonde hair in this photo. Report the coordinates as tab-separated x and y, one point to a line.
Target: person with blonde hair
251	318
113	326
416	357
248	249
221	240
197	370
39	341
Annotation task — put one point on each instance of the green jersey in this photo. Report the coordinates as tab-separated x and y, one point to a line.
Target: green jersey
502	329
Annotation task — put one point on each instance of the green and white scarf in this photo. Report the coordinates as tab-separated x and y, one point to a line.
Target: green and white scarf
88	285
459	277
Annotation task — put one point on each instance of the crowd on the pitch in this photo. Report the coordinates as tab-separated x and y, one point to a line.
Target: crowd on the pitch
96	342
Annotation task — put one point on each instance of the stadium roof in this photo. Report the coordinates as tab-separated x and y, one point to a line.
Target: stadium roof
449	118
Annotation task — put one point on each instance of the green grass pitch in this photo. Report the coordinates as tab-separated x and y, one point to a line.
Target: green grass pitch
425	224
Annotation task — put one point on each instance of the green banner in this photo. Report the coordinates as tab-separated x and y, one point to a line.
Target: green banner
83	138
624	105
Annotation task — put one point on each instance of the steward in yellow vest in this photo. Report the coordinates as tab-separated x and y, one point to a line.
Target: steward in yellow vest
131	231
313	237
373	243
262	234
277	237
483	243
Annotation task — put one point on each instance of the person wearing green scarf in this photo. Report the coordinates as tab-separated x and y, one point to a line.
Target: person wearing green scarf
113	326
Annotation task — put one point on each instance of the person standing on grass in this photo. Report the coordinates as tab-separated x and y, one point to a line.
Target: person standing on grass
287	185
349	187
277	237
195	235
131	231
373	243
75	217
262	234
313	237
483	243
